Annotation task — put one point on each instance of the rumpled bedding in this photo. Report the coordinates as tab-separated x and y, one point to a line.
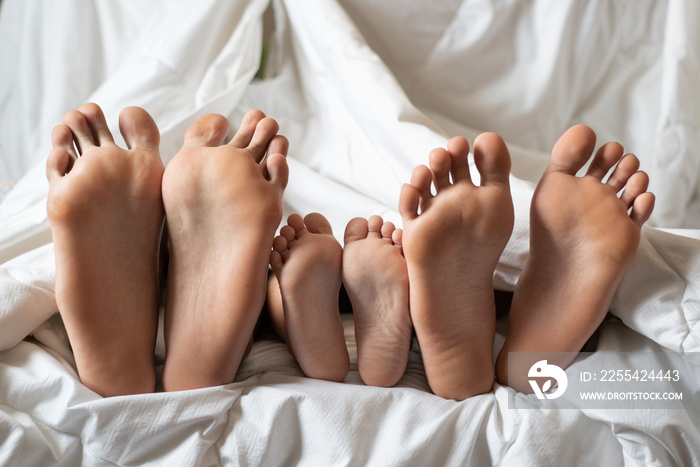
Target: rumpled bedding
363	90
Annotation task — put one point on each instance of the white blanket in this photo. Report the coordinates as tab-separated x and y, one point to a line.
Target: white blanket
363	90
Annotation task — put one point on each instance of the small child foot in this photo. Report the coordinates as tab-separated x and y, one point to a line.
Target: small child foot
452	247
106	216
376	280
582	238
223	204
306	260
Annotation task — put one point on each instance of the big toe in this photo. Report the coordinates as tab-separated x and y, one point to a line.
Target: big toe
357	229
317	223
209	130
642	208
277	170
492	159
572	150
139	129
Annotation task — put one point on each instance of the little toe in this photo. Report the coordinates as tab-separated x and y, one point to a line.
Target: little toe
642	208
572	150
408	202
265	131
397	237
279	252
97	123
79	128
356	229
279	145
58	164
492	159
636	185
458	148
439	160
317	223
276	262
209	130
139	129
245	132
607	156
276	170
62	137
627	166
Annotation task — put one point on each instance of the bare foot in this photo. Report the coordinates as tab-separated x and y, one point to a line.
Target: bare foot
582	238
452	247
106	216
223	204
306	260
376	280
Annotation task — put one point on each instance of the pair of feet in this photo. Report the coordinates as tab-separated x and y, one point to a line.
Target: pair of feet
107	207
583	236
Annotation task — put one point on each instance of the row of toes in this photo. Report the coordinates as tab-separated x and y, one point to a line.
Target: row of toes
357	229
625	171
360	228
450	166
257	134
87	127
296	229
574	150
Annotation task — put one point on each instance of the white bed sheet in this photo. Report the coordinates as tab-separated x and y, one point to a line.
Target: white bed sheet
363	90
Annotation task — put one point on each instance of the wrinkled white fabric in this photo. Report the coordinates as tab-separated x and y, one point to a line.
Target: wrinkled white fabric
363	90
